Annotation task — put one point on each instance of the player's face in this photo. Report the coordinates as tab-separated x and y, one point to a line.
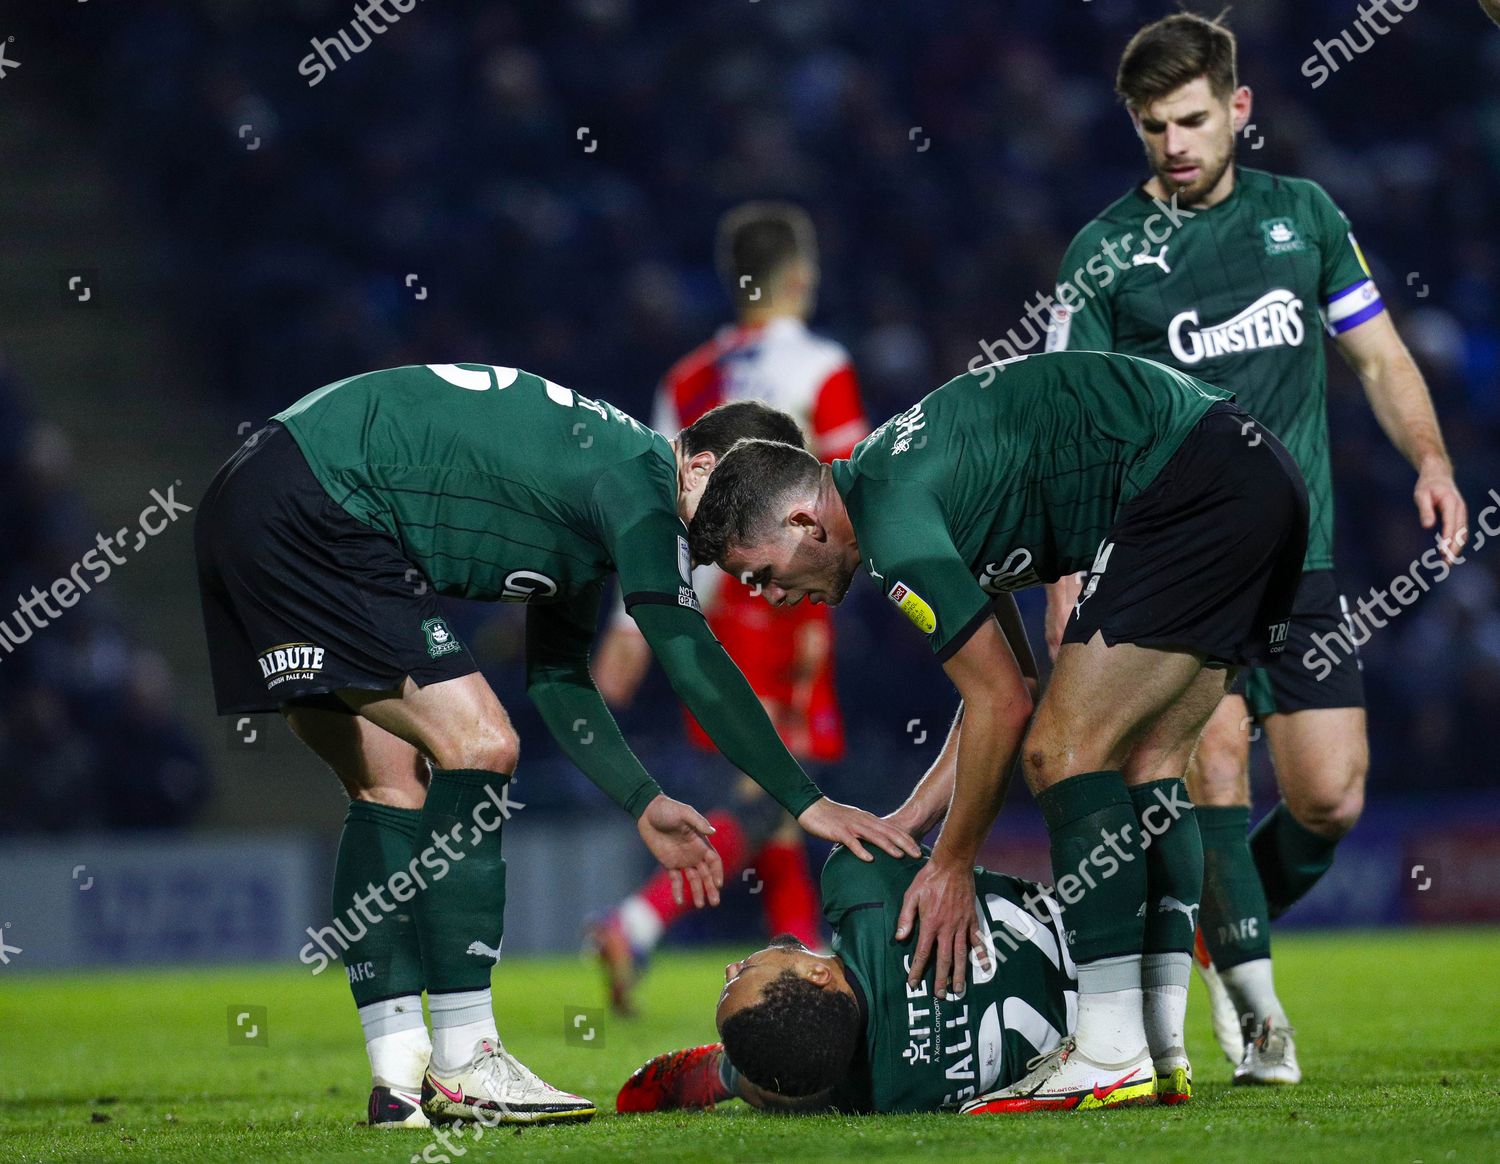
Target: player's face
745	980
793	564
1189	138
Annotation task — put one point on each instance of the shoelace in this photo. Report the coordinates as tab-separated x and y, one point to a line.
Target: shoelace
1280	1034
494	1069
1060	1052
524	1075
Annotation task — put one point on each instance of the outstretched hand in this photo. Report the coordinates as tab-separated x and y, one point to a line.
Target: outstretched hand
941	898
677	835
846	825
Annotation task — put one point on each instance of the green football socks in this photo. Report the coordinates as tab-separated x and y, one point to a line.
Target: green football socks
1174	864
1098	877
1290	858
460	913
1235	921
381	957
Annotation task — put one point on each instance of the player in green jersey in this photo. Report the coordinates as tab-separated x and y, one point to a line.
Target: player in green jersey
1227	283
1193	521
322	545
805	1031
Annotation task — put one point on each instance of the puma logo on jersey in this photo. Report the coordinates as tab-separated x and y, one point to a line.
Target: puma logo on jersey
1274	320
1169	904
1144	258
480	950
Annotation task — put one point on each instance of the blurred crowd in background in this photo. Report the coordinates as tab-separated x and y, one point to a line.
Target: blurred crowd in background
90	733
537	184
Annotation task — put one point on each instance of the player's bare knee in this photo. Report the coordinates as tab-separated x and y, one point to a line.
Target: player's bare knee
495	748
1217	774
1333	813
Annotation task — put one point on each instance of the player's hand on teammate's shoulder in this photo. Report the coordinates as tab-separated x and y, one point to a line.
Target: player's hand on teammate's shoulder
1440	503
677	835
848	826
940	902
908	819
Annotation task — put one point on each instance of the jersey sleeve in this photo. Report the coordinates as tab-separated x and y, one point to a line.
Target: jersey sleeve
838	415
1347	294
1083	315
717	693
633	508
920	569
558	638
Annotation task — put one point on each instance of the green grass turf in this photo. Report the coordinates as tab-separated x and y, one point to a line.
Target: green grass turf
1400	1040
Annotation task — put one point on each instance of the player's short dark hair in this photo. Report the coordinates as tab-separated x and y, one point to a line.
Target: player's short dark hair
741	501
798	1040
1166	55
717	429
756	241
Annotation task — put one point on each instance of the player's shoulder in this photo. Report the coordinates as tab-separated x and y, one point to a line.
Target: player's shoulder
849	883
1284	190
1124	213
915	444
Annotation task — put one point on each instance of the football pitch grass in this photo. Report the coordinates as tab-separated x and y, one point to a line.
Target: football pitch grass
1399	1036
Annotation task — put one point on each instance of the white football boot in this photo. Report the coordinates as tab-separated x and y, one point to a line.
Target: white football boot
1174	1077
1270	1055
497	1088
396	1107
1221	1008
1065	1080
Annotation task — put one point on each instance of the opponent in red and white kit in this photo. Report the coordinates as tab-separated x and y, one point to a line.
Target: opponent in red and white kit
767	256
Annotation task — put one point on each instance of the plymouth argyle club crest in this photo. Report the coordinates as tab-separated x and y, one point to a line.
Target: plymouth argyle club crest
1281	237
440	640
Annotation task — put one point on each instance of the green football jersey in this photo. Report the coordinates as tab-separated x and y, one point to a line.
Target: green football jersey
1229	294
500	485
1009	476
922	1052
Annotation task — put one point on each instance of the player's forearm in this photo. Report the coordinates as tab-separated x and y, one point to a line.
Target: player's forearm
987	746
722	701
1403	408
929	800
575	714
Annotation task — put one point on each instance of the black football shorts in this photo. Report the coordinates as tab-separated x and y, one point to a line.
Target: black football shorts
301	598
1320	667
1208	557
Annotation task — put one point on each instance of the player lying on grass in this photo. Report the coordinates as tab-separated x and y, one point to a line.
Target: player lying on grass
1192	520
322	546
808	1032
